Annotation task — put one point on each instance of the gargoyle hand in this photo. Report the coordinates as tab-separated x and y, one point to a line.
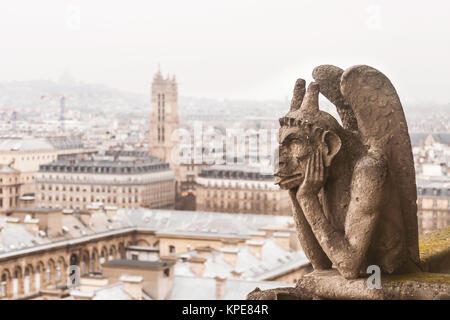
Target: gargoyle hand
314	176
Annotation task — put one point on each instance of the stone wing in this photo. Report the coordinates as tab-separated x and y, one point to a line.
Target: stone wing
382	125
329	79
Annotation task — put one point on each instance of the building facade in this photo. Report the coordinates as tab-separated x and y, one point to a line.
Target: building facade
126	182
240	189
10	183
20	159
433	205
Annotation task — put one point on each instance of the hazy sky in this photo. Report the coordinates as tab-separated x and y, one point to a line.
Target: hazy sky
251	49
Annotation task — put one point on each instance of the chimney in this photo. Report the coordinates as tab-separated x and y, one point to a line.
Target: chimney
133	286
282	239
258	235
230	255
11	222
82	295
204	252
221	286
67	212
267	230
94	207
230	243
197	265
255	247
237	273
92	283
111	211
32	225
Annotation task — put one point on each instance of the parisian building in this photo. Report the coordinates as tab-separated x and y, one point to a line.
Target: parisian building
433	205
20	159
240	189
126	180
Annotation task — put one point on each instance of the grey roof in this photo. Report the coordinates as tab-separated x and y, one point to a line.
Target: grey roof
274	260
17	237
195	288
139	263
65	143
25	144
113	291
105	166
130	153
200	222
194	222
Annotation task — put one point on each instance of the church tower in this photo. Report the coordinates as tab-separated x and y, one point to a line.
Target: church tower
163	136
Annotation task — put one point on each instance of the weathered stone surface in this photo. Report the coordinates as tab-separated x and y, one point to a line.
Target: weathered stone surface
329	284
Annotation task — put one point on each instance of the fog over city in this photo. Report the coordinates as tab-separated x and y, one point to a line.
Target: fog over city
227	50
167	150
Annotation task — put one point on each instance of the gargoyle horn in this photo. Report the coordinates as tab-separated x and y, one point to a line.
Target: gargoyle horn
310	103
299	93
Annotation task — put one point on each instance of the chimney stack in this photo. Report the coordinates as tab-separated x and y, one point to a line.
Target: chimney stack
237	273
111	211
255	247
197	265
32	225
230	255
11	222
204	252
282	239
258	235
221	286
133	286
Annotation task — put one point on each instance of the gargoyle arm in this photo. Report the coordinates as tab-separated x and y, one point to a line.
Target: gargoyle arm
308	241
347	251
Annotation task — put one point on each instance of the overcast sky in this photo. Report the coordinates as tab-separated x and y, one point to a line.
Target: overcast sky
251	49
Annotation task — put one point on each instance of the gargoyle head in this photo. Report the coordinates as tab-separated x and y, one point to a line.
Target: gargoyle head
303	131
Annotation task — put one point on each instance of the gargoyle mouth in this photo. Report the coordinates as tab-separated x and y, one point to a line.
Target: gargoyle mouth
286	180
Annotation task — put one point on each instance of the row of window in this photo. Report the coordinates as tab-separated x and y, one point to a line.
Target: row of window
85	199
255	206
434	203
250	195
12	202
11	189
229	184
97	189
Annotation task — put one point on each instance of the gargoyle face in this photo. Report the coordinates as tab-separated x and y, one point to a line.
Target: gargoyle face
293	153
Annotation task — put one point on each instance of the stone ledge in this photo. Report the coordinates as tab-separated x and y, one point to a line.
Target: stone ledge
329	284
434	250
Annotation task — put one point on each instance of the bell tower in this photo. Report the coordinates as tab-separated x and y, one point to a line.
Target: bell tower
163	132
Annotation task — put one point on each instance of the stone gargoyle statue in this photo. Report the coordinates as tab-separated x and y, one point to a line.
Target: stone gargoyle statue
352	186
